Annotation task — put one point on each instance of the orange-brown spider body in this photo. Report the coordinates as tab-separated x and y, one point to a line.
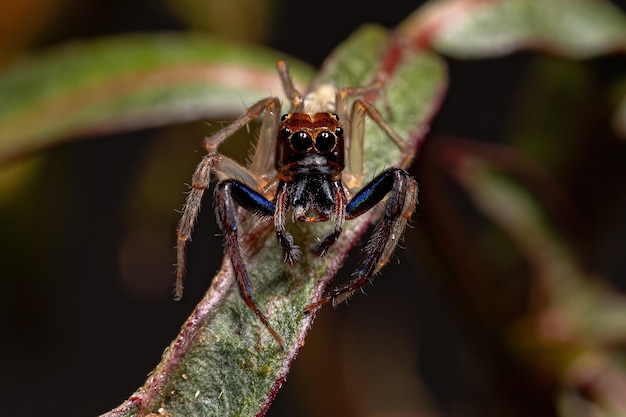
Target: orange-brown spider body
301	157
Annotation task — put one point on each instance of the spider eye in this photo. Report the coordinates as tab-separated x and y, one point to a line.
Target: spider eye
285	133
325	142
283	117
339	131
335	115
301	141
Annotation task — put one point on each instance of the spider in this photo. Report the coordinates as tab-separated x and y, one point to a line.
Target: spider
298	166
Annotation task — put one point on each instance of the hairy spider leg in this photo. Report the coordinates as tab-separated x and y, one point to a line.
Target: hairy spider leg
227	193
297	100
260	175
402	191
211	162
361	109
395	181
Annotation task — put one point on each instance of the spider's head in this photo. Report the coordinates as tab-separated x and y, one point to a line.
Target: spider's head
310	143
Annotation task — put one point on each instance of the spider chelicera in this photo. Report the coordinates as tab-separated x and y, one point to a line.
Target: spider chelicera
298	166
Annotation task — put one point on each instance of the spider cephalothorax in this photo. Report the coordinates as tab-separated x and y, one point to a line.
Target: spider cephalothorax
310	143
303	154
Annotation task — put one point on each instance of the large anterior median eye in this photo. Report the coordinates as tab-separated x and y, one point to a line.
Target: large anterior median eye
325	142
301	141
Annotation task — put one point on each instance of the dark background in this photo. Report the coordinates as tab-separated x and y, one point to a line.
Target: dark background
78	338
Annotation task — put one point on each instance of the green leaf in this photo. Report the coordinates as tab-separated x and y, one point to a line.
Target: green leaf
224	362
481	29
129	82
575	319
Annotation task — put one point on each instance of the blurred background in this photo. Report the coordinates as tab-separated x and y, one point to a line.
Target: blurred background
458	326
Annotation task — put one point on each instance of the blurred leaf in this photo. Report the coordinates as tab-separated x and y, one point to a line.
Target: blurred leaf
236	20
224	362
129	82
574	319
480	29
553	112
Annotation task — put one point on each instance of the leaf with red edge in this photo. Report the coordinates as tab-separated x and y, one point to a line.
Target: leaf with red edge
224	362
491	28
129	82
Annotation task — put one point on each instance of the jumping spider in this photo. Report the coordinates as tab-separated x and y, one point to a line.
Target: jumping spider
298	164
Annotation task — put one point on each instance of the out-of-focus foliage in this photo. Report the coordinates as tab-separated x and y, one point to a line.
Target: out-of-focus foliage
127	83
236	20
479	29
215	360
518	238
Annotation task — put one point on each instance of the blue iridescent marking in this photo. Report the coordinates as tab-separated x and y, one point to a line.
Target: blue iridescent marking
251	200
371	194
